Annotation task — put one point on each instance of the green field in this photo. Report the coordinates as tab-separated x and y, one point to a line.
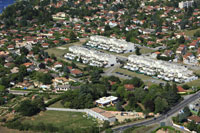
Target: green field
57	105
191	32
195	83
59	53
146	50
142	129
145	78
58	118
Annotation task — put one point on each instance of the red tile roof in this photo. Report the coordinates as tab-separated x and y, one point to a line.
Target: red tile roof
76	72
129	86
180	89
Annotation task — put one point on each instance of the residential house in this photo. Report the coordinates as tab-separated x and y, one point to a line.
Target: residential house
155	54
181	90
62	87
168	53
76	72
45	45
8	65
181	50
129	87
189	58
194	44
14	70
11	47
194	118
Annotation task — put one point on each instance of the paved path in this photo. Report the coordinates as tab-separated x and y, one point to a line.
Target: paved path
67	110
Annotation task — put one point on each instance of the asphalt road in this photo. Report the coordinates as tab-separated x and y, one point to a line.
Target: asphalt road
173	110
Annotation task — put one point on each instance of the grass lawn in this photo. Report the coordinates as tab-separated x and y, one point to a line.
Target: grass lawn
194	83
196	71
191	32
57	105
146	50
59	52
146	79
143	129
61	118
6	130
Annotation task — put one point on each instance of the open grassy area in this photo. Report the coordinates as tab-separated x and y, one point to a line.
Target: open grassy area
59	118
145	78
6	130
194	83
191	32
59	52
57	105
142	129
146	50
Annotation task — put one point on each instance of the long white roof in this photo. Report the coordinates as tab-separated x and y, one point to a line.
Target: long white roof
159	64
111	41
105	100
91	53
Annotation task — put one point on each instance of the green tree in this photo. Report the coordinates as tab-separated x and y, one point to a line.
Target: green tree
106	124
27	108
137	51
119	106
72	36
192	126
160	105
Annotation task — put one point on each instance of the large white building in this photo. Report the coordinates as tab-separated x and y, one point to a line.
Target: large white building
111	44
187	4
104	101
162	69
101	114
91	57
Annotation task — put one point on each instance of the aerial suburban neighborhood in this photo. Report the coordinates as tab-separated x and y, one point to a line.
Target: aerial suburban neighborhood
81	66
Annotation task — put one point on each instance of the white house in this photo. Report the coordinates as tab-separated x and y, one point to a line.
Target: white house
62	87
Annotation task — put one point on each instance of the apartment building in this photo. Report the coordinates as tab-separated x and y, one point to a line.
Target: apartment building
162	69
187	4
111	44
91	57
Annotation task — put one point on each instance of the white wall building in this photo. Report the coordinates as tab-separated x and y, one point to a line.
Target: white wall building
91	57
104	101
187	4
101	114
162	69
111	44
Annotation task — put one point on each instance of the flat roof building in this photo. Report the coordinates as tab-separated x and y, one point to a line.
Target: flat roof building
91	57
104	101
164	70
111	44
